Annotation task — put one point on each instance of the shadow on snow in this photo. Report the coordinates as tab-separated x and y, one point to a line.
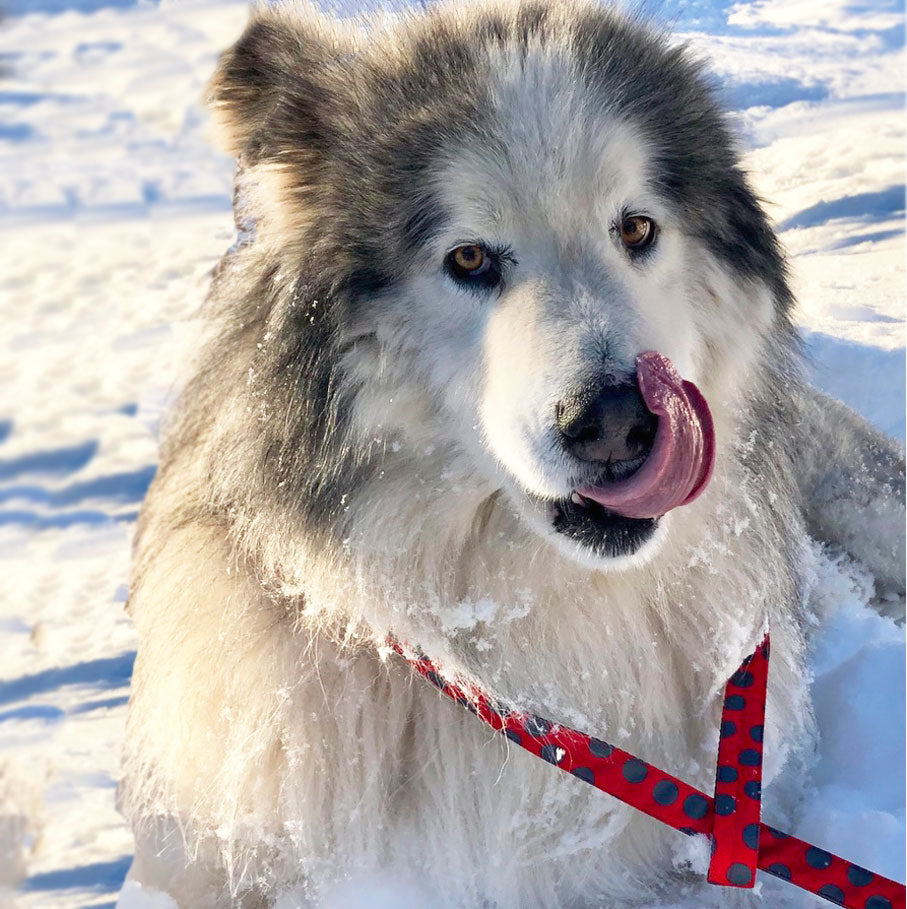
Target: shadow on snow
128	486
854	374
54	461
107	672
104	877
887	202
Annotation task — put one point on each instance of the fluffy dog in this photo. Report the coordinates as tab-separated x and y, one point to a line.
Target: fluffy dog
473	239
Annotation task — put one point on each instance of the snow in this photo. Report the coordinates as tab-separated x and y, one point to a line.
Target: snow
113	210
857	806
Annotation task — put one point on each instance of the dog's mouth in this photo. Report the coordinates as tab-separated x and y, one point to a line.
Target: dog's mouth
620	508
679	464
603	532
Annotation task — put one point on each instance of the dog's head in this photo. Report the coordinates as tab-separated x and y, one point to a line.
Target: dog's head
491	212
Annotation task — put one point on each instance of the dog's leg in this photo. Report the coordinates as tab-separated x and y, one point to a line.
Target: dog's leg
851	478
255	744
201	643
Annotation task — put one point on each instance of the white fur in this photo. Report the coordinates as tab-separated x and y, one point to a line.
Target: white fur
277	756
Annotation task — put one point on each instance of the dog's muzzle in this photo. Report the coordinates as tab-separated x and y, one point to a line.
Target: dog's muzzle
646	447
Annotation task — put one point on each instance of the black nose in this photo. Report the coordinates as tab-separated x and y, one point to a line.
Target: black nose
607	423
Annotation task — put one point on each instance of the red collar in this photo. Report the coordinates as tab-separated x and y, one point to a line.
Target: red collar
741	843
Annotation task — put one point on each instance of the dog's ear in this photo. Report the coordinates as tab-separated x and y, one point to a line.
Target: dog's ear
276	62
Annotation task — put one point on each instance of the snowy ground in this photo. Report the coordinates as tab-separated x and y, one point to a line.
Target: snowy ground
113	211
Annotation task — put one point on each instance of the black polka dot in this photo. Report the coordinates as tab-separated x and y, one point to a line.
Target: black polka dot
777	834
435	679
727	774
878	902
551	753
833	893
499	709
756	733
635	771
739	874
859	877
753	789
728	728
537	726
513	736
766	650
584	773
688	831
750	757
751	836
599	748
695	806
665	792
725	805
734	702
817	858
742	678
779	870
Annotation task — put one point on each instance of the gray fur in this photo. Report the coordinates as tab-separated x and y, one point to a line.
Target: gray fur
323	481
852	481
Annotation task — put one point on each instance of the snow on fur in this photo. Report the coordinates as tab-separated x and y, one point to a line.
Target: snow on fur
113	209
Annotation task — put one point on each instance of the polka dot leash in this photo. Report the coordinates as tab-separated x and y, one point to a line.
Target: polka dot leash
738	782
741	842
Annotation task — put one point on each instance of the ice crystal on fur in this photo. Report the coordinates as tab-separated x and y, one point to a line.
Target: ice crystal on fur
367	448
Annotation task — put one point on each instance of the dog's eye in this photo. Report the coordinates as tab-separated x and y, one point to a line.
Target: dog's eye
637	232
474	265
471	260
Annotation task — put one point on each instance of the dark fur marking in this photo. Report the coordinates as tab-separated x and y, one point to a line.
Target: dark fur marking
295	101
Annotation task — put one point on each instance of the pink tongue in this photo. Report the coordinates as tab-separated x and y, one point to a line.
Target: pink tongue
683	454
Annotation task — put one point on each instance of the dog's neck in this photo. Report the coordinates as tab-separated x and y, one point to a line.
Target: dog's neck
478	590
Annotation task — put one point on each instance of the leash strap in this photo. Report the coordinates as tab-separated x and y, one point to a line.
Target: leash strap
738	780
674	802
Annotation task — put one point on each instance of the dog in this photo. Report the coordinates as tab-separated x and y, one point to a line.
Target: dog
502	365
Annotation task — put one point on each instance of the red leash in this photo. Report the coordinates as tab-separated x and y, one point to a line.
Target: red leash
741	842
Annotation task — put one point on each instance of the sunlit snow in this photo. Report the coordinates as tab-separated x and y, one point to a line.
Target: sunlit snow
113	210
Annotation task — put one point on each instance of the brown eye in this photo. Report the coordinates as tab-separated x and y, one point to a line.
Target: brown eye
470	259
477	266
637	232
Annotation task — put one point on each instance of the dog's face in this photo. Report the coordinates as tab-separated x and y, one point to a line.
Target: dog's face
568	201
558	262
